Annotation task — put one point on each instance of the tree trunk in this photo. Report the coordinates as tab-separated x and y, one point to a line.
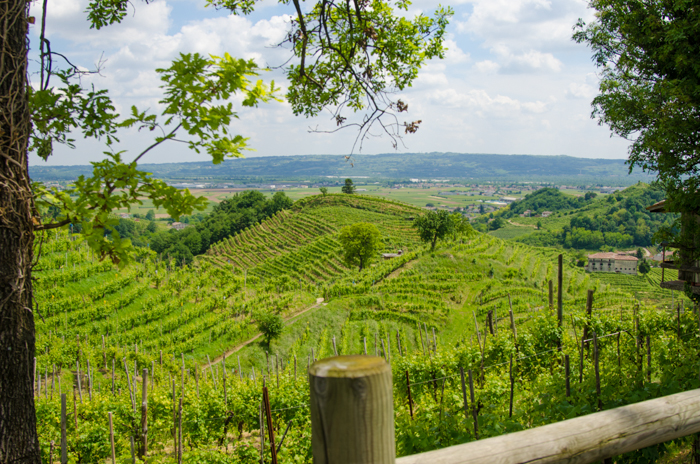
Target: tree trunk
432	248
18	438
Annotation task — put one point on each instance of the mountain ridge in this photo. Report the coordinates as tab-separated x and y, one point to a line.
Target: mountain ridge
380	166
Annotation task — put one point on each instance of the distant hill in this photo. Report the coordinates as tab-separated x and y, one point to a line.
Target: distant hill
548	199
615	221
390	166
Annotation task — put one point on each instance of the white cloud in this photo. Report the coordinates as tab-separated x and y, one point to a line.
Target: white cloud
529	61
487	67
581	91
479	101
454	54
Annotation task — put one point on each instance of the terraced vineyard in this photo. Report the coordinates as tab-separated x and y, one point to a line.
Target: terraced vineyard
301	244
151	315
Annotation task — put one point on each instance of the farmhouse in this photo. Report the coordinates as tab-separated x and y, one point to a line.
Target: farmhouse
612	262
178	225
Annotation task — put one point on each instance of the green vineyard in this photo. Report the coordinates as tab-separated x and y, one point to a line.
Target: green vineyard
472	303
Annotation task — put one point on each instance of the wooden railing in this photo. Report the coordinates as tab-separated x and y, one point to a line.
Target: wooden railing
352	395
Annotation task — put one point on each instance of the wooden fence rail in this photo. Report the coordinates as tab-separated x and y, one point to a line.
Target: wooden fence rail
585	439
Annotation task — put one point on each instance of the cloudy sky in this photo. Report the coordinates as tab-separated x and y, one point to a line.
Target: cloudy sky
513	81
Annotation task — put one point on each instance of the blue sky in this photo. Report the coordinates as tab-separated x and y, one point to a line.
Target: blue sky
513	81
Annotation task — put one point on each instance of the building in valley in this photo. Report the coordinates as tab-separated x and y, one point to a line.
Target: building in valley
612	262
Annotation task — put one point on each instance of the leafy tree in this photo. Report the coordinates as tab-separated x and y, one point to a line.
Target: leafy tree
639	254
324	191
271	326
649	94
152	227
539	225
360	242
644	266
460	226
150	215
278	202
433	226
497	223
348	188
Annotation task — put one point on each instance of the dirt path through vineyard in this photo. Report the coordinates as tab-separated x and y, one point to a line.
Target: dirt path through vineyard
290	320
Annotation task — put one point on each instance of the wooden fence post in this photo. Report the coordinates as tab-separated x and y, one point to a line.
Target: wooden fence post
398	342
597	370
512	386
478	334
464	393
174	418
560	293
649	358
567	372
64	441
580	366
75	410
179	433
144	414
196	377
270	429
262	435
352	411
589	313
410	399
223	379
111	438
475	413
551	294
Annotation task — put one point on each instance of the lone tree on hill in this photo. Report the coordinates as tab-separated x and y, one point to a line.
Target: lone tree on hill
360	242
433	225
349	187
271	326
324	191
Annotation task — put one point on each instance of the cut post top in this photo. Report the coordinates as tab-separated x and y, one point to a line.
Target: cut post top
349	366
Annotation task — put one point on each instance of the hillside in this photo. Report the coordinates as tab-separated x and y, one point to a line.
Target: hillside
525	168
613	221
419	311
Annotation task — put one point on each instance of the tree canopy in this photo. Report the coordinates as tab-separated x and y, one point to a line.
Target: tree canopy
271	326
648	54
349	187
361	242
433	226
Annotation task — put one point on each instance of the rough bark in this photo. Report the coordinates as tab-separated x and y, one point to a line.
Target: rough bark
18	438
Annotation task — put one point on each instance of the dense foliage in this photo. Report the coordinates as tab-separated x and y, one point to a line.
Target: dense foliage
228	218
619	220
649	55
433	226
548	199
361	242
